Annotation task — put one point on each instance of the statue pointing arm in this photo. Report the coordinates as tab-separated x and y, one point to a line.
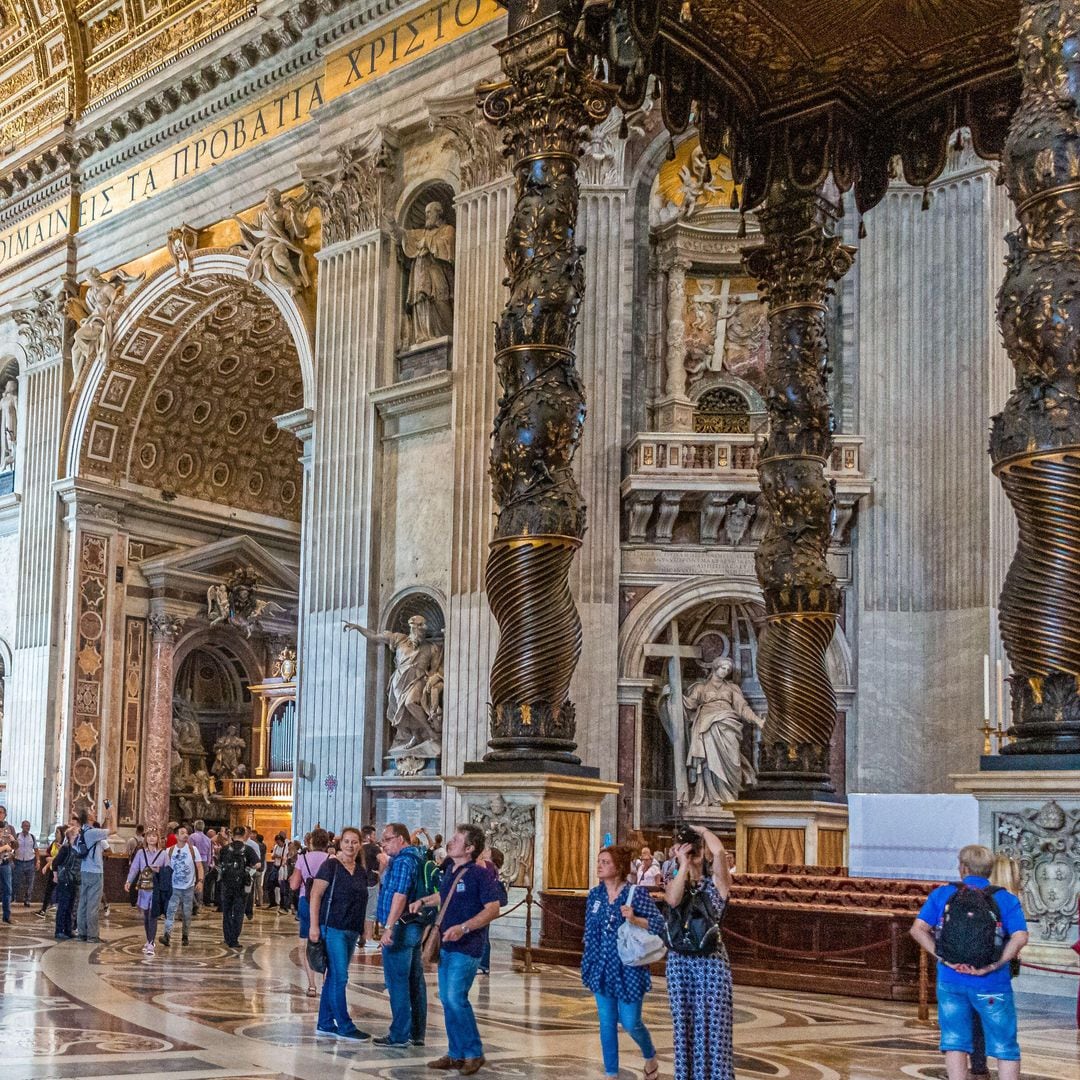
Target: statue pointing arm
387	638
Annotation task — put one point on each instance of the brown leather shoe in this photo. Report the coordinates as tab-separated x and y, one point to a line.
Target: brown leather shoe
471	1065
446	1063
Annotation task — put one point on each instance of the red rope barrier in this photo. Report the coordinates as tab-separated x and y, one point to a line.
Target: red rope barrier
803	954
1055	971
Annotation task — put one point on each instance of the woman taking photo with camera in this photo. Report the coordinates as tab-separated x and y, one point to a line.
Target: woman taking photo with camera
619	988
698	972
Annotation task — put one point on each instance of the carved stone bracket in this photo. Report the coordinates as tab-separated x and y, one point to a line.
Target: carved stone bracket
1035	440
795	268
353	194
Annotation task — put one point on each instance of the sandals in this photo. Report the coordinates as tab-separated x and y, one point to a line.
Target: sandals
652	1069
312	992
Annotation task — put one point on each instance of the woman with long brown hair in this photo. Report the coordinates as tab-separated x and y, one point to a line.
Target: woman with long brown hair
145	867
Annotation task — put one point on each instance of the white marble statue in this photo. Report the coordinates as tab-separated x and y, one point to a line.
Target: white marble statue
429	304
217	603
414	700
96	314
9	424
228	750
272	242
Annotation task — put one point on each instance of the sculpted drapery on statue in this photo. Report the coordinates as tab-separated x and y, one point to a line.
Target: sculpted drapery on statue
429	302
414	700
273	242
96	313
9	424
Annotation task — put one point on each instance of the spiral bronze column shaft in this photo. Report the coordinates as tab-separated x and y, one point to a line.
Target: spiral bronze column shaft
1035	440
795	268
544	107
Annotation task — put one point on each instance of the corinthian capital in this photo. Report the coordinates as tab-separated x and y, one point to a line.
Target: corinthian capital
478	144
41	325
353	193
164	627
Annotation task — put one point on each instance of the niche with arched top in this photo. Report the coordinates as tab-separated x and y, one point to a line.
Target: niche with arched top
9	423
426	251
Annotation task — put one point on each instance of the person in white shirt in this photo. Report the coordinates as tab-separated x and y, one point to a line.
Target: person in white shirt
26	854
648	873
187	875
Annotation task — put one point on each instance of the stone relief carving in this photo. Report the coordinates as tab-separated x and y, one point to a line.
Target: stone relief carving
272	243
351	195
41	325
713	712
414	699
511	827
1046	843
9	424
234	601
182	242
429	302
95	313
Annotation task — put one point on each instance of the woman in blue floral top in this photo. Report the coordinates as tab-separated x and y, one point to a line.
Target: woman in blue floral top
619	989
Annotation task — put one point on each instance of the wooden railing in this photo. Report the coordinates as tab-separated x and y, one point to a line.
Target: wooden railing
258	789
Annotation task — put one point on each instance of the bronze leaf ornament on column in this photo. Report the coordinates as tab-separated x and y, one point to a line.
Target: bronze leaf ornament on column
1035	439
545	107
795	268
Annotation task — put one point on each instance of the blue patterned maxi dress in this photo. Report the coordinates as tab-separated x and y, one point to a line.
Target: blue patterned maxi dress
699	989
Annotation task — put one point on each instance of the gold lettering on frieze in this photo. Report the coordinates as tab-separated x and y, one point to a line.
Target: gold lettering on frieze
23	239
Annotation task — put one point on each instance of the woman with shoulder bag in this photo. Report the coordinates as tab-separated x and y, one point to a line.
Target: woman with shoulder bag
698	972
308	864
619	987
146	865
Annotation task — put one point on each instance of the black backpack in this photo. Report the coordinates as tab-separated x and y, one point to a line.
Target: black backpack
693	927
970	931
232	868
67	865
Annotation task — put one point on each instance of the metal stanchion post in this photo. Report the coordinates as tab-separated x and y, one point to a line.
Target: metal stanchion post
528	929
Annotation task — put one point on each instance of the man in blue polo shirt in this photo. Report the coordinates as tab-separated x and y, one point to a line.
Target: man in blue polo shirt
963	991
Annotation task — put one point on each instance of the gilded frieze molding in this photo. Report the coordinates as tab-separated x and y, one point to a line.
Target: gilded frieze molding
354	194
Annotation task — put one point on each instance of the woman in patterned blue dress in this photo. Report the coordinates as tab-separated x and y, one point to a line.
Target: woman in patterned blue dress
619	989
699	987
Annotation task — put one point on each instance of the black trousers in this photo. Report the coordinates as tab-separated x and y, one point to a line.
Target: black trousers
232	915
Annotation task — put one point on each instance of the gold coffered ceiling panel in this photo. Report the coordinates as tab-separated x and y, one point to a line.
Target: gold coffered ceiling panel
58	57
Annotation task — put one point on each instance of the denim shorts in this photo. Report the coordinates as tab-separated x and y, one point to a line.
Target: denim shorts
957	1005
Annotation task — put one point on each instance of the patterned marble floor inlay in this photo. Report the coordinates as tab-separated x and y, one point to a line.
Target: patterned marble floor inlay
77	1011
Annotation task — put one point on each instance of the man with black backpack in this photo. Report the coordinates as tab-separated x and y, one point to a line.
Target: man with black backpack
89	848
235	864
974	930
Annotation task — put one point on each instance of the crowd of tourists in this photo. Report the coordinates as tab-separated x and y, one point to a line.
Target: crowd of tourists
423	903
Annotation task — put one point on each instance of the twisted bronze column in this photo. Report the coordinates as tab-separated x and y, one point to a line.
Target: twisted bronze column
795	268
1035	440
544	107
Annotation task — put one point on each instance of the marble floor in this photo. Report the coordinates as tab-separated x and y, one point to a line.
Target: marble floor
74	1010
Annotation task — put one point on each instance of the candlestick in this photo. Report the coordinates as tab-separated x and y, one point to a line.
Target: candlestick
987	731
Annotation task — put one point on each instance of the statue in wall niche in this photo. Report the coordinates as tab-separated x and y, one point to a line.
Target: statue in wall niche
228	750
714	712
96	314
188	752
272	243
414	700
429	302
9	424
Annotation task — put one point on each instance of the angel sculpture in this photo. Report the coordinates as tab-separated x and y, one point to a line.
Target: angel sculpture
96	315
272	242
217	604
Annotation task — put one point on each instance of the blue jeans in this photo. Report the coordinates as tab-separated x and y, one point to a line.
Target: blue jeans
403	973
65	907
23	878
614	1012
5	889
333	1006
86	917
456	974
957	1008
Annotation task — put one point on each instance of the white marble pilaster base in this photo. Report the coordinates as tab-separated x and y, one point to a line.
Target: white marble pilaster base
770	831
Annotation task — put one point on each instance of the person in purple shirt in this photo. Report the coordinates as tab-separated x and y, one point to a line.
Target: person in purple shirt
468	900
963	991
205	847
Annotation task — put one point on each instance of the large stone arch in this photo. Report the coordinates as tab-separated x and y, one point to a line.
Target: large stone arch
155	333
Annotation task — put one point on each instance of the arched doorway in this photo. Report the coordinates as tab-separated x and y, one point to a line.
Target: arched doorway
180	434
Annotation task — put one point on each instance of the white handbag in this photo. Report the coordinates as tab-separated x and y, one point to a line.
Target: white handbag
637	946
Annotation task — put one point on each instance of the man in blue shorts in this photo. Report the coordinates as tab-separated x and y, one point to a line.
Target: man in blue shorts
964	990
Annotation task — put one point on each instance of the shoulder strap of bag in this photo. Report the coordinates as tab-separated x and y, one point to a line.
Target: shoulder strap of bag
630	895
446	903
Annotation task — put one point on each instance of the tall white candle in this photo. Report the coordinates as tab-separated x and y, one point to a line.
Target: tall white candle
1000	697
986	688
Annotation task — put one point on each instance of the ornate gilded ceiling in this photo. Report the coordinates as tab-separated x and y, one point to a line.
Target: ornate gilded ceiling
59	57
188	403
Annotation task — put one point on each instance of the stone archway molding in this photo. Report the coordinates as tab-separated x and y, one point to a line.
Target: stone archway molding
210	263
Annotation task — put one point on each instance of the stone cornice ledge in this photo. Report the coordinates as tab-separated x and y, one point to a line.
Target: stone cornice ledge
412	394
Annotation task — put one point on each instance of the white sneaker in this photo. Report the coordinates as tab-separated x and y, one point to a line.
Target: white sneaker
148	949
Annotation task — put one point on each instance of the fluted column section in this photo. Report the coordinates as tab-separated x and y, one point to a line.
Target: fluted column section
336	569
544	108
482	216
795	268
1035	440
34	771
165	629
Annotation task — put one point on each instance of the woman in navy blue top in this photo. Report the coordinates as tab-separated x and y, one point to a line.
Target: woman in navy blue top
619	989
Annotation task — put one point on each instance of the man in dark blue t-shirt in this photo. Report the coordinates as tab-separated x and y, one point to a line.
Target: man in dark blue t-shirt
964	991
468	900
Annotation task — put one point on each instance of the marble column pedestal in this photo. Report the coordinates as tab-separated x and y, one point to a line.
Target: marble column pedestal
771	831
554	820
1034	815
